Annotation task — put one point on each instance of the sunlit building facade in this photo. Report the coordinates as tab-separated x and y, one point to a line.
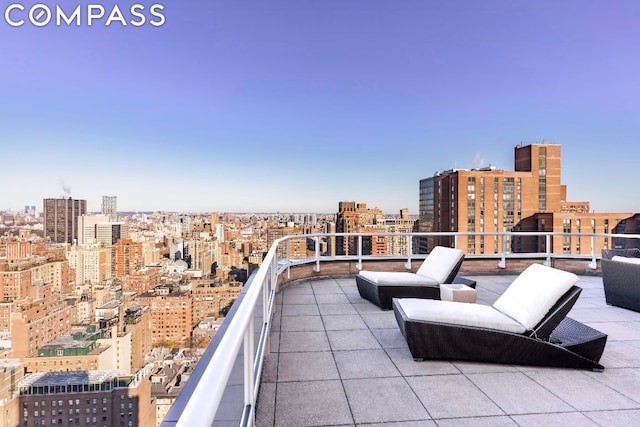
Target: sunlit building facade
530	198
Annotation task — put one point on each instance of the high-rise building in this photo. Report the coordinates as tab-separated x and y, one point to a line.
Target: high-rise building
87	228
215	219
332	240
61	219
128	258
350	217
100	229
91	263
137	321
110	207
530	198
294	248
399	244
425	214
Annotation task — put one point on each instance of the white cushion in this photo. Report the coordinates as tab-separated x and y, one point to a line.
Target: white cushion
402	278
629	260
532	294
459	313
440	262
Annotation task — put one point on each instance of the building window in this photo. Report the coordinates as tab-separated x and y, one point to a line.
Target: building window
566	240
471	245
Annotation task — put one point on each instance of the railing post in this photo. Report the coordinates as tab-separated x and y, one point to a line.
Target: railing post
407	265
594	263
249	380
455	241
266	312
317	247
547	262
274	272
503	260
359	264
288	261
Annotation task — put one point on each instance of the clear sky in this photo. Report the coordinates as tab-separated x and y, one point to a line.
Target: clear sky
295	105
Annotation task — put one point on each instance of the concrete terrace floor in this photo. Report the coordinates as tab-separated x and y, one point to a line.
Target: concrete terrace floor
338	360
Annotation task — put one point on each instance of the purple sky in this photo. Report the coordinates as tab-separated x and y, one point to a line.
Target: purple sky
294	105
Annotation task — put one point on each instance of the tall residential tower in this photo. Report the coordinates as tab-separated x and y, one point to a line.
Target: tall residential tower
110	207
61	219
530	198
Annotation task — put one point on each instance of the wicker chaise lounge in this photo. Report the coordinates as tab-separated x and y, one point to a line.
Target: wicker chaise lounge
621	277
527	325
441	266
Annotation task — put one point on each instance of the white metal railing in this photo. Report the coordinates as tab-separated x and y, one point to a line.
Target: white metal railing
198	403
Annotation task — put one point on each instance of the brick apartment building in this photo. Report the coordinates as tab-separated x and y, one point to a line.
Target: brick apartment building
90	263
78	351
141	281
295	248
15	284
530	198
35	320
171	315
128	257
209	298
138	322
18	249
86	398
11	373
16	276
355	217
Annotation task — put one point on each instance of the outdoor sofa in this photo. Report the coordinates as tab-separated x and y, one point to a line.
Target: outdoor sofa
621	277
441	266
527	325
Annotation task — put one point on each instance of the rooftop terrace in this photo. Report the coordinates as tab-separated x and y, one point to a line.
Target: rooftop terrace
324	356
338	360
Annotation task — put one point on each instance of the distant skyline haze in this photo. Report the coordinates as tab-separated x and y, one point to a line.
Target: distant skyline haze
293	106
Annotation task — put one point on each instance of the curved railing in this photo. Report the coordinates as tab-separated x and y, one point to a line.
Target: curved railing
223	388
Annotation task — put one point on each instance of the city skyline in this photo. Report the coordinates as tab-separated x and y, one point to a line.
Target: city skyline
291	106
